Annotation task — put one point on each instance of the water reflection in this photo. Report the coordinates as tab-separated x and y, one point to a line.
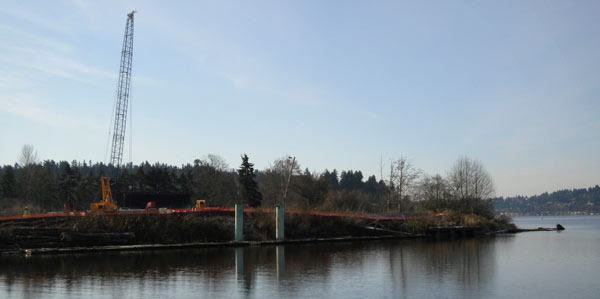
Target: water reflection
463	268
466	264
280	262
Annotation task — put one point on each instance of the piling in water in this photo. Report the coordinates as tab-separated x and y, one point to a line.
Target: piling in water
239	222
279	223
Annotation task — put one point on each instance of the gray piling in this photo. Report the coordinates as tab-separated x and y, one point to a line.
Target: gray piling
279	223
239	222
280	261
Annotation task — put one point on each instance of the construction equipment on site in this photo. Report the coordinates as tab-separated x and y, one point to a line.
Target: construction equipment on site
26	213
151	207
200	204
107	204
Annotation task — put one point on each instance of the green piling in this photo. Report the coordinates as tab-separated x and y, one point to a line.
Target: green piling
239	222
279	223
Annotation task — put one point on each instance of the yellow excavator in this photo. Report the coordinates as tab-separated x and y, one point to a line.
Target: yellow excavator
107	204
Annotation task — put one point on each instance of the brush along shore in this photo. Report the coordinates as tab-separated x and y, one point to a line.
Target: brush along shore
152	229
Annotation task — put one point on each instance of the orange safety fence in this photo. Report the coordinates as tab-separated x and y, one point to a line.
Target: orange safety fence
317	213
222	211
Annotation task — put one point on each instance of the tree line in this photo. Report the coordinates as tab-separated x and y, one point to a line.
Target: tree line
48	185
561	202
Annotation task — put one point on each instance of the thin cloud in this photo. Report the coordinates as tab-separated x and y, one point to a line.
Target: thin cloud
28	107
247	72
31	17
45	54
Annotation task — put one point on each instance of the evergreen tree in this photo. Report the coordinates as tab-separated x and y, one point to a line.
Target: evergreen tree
67	183
46	190
351	180
331	178
371	186
248	186
8	182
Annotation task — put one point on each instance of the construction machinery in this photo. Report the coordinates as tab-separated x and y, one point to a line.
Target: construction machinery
200	205
107	203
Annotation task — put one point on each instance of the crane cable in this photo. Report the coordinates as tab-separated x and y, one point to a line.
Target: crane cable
110	125
130	131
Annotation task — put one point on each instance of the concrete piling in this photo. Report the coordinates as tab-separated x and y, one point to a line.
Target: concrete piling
279	223
280	261
239	222
239	263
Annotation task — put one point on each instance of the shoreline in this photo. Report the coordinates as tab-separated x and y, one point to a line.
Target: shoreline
145	247
131	232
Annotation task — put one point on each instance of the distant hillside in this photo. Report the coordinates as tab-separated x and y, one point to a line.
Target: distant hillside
564	202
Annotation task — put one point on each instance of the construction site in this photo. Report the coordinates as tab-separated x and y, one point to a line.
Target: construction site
139	220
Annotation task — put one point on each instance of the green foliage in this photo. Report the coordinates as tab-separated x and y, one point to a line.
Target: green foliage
49	185
331	178
351	180
312	190
248	187
8	182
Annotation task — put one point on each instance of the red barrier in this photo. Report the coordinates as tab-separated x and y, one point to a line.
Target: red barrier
220	211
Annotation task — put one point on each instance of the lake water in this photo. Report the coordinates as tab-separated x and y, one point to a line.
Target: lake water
527	265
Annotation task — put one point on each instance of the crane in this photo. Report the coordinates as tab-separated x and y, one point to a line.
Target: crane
107	204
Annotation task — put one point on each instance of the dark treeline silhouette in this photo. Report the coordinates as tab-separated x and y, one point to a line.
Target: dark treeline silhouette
569	201
48	185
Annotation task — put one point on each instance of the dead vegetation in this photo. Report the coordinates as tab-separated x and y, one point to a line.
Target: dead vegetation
190	228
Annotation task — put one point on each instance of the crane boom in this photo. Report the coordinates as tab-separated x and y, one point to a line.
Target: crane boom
122	100
107	204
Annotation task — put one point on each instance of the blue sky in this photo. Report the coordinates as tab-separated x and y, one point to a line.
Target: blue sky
338	84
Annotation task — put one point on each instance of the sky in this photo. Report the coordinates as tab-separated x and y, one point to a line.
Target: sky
337	84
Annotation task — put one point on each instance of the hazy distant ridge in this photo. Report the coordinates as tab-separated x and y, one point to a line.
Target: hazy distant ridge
569	201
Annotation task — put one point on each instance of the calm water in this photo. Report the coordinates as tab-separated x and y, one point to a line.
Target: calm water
528	265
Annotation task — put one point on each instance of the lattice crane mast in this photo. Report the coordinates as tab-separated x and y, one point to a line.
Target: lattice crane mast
122	101
107	204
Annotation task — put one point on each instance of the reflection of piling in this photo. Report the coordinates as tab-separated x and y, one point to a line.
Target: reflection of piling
239	263
280	261
279	223
239	222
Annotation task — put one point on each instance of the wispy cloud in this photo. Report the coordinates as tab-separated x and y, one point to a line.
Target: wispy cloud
247	72
30	107
44	54
32	17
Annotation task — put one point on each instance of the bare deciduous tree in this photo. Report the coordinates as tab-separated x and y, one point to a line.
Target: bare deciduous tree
434	188
29	173
272	181
217	162
28	155
403	175
470	180
282	166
